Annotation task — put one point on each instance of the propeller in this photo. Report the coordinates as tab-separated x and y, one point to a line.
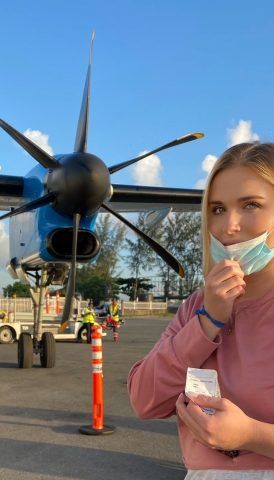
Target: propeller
186	138
161	251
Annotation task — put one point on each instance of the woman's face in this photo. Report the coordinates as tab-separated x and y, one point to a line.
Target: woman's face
241	206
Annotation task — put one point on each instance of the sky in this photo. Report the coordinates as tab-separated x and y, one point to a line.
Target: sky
160	70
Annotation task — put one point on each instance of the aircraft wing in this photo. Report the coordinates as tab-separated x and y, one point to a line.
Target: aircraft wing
125	198
11	192
129	198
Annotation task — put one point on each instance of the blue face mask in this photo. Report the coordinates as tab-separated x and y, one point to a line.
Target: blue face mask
252	255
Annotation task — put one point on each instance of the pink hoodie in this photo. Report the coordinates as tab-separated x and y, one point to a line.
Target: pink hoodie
244	360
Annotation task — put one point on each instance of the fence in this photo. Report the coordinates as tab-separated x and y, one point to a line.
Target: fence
53	306
143	308
144	305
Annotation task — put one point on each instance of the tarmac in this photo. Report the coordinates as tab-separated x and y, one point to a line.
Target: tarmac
41	411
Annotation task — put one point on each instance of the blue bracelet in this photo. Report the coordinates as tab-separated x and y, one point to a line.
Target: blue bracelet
217	323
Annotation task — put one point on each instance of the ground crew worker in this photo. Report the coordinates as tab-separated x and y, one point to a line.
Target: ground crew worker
113	317
89	318
113	310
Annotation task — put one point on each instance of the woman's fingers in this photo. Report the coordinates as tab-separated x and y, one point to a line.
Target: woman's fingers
225	270
223	285
229	284
235	292
190	423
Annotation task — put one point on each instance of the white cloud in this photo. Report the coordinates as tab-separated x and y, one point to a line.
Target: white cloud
200	184
148	171
41	139
207	165
241	133
4	246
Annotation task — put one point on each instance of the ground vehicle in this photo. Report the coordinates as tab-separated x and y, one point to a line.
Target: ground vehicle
101	310
11	330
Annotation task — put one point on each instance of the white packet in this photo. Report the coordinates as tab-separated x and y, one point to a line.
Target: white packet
202	381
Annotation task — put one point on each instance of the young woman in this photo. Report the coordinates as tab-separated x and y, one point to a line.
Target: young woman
228	326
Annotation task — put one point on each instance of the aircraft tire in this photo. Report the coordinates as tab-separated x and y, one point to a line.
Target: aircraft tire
47	352
25	351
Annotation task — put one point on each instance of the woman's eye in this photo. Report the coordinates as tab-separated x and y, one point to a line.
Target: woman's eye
252	205
217	210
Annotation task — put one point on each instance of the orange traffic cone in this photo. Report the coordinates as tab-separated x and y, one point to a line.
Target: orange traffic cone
97	427
58	307
47	303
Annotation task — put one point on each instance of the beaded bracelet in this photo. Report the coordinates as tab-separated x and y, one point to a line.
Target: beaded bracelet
217	323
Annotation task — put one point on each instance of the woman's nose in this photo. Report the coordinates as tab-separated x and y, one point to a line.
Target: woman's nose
231	223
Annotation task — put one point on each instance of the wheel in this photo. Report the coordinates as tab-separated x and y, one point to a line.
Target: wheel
47	350
82	335
6	335
25	351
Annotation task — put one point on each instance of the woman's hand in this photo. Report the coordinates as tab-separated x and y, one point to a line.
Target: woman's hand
229	428
223	285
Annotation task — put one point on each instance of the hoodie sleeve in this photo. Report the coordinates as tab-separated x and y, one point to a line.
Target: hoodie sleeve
155	382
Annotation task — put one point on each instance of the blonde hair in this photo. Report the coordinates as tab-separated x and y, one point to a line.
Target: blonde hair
259	157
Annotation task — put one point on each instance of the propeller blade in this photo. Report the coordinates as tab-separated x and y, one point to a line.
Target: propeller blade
174	143
161	251
34	204
36	152
72	275
82	127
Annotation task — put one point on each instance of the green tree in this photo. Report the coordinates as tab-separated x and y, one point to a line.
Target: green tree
181	236
97	280
140	256
190	252
90	285
111	234
16	288
128	286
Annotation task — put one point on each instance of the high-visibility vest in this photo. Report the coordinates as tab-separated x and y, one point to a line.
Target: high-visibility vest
113	310
89	315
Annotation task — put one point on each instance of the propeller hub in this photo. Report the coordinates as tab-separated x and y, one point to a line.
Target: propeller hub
81	184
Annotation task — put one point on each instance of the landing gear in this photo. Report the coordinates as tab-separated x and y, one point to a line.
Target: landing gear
25	351
40	343
47	350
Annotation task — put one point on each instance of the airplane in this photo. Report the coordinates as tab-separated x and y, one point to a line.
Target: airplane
53	212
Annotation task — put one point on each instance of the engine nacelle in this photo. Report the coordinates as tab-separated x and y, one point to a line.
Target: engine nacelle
59	244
